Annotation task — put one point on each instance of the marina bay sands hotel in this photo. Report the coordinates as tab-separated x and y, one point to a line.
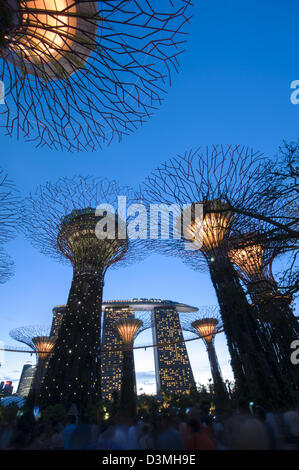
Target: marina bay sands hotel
172	365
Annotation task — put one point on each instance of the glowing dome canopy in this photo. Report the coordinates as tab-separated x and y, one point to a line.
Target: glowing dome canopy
80	73
44	345
79	242
249	259
127	328
51	38
208	233
206	328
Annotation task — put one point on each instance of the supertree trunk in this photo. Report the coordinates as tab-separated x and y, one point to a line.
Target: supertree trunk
221	395
282	328
257	377
73	374
33	397
128	386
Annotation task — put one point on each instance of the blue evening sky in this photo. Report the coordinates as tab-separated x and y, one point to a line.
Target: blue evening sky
233	87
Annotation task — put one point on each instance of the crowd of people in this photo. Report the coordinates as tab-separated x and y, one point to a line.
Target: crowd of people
239	430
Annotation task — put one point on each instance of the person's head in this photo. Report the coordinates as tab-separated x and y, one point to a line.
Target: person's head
193	425
243	405
248	433
194	414
165	421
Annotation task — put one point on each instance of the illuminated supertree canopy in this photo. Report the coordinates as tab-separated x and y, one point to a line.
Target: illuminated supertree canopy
253	262
226	182
205	327
27	335
62	222
38	339
206	323
81	73
209	234
250	261
129	328
216	177
44	346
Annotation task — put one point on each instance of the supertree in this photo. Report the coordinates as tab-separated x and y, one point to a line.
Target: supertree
253	261
207	323
224	181
80	73
128	329
38	339
63	223
278	183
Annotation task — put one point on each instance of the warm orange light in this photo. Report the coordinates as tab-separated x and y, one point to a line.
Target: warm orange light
50	32
206	328
209	233
249	259
127	329
54	38
44	346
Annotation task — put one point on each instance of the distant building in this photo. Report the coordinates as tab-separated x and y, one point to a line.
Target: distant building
6	387
173	369
111	361
58	313
26	379
172	364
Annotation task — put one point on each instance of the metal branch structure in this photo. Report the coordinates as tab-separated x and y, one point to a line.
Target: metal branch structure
62	222
279	182
7	267
207	323
9	208
38	339
225	181
253	262
79	74
128	329
253	259
25	335
9	223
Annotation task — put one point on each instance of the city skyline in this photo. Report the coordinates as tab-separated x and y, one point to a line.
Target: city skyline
147	380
